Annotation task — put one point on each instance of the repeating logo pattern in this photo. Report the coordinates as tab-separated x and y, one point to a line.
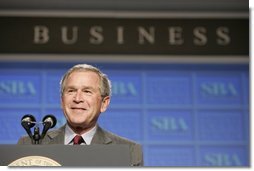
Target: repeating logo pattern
183	117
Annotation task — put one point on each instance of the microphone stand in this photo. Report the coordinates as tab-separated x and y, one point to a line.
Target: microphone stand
28	121
36	136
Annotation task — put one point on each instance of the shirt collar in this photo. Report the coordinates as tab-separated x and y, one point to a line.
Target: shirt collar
70	134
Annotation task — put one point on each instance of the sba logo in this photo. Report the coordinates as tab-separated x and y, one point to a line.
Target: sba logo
169	124
218	89
17	88
122	88
223	159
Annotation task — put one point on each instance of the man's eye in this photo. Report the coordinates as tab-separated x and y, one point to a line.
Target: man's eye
70	91
87	91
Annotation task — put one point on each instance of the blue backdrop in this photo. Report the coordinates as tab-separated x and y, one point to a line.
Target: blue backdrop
183	115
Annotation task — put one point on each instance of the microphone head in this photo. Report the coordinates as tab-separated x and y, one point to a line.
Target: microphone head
50	119
28	121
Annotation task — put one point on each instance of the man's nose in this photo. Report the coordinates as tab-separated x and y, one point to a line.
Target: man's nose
78	97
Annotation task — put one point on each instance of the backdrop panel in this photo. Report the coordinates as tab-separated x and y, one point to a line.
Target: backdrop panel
182	114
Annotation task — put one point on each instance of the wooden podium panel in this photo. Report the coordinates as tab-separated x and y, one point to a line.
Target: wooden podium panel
64	155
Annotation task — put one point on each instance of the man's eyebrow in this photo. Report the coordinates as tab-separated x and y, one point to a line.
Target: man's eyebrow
89	87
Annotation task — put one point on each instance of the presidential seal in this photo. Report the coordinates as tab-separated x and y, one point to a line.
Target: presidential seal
34	161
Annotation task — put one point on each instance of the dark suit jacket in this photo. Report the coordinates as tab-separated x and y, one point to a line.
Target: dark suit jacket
101	137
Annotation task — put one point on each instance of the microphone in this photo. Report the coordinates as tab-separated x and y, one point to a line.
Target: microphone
49	121
28	121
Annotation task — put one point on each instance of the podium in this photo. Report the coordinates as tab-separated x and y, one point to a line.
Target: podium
65	155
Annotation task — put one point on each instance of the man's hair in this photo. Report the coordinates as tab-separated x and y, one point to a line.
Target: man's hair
105	83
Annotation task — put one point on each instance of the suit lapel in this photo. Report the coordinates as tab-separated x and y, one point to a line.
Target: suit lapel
57	136
100	137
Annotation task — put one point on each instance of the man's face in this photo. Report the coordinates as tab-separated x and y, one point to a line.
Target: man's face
81	100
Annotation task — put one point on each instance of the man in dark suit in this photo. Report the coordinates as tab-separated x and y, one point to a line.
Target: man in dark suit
85	94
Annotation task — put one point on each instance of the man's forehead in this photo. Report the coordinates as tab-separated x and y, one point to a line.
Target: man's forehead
88	74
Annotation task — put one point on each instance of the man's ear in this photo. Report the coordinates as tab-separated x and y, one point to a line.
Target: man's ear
105	103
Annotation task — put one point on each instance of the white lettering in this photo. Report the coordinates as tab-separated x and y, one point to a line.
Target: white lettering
200	38
175	36
223	37
120	37
146	35
96	33
74	34
41	34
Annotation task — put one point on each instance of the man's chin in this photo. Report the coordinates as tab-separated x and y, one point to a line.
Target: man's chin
76	125
79	127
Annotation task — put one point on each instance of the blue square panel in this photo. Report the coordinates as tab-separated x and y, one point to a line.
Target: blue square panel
124	122
169	125
10	121
20	87
170	155
168	88
246	126
52	85
224	155
221	125
219	88
126	87
246	88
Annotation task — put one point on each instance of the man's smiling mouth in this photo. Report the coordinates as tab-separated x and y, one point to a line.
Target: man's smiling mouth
78	108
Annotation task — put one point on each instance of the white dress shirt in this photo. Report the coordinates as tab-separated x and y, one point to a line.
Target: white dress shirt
70	134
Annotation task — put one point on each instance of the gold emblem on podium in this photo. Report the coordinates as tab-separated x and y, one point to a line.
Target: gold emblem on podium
34	161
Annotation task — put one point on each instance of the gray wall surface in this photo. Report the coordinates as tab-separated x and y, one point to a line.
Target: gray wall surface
130	5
